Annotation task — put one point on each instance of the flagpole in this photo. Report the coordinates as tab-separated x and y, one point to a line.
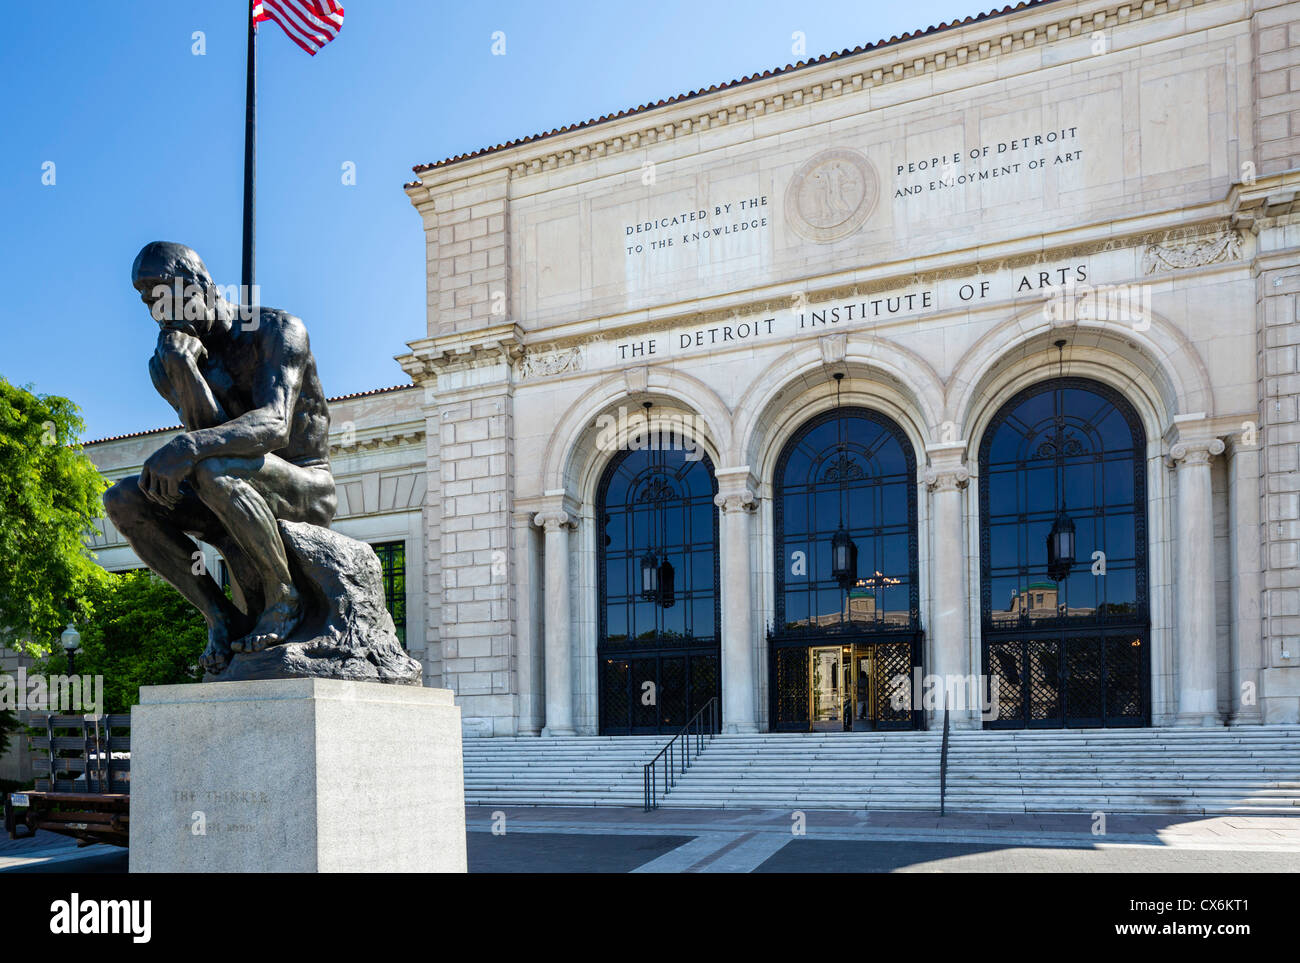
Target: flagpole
250	161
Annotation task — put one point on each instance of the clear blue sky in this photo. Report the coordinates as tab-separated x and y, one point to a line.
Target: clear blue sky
147	142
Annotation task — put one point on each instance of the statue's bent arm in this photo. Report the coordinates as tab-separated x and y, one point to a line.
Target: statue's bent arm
180	382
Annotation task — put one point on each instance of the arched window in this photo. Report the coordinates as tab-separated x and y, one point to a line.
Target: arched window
1063	558
657	545
847	630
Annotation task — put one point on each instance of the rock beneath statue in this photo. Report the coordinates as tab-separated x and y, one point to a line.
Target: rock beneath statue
346	631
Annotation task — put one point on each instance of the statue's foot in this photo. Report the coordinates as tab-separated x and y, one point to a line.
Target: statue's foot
275	624
216	656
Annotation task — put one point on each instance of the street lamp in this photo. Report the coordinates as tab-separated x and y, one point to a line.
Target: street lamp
71	639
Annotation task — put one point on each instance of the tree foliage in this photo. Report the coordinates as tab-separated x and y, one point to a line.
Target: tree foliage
142	632
50	493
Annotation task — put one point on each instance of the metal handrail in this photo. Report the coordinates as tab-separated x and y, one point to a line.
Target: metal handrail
682	757
943	762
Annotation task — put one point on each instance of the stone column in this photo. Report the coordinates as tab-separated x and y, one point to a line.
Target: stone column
1194	583
559	627
946	480
737	603
530	667
1244	549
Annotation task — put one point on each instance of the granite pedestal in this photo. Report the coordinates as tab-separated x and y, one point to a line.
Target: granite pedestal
296	775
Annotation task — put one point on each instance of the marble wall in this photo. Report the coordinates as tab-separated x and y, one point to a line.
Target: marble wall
927	218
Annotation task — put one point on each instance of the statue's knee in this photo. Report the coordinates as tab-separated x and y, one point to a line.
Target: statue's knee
122	501
326	506
210	475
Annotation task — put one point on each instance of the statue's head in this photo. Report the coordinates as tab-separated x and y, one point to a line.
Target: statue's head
173	280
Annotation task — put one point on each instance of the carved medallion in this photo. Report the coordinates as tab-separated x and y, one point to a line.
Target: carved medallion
832	195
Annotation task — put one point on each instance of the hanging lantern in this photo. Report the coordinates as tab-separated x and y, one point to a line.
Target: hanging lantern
667	595
844	558
1060	546
650	577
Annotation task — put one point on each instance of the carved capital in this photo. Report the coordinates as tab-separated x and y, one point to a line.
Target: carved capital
1195	453
742	501
555	520
947	480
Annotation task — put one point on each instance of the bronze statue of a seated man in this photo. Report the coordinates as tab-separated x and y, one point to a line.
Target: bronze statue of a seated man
255	450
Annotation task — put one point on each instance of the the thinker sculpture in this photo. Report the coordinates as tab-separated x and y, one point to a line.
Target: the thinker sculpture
250	475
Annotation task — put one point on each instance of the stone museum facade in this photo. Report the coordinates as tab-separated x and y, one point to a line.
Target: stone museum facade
971	353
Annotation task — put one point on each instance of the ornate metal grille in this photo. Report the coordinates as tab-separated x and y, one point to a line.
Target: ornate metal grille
1076	648
790	670
660	662
1125	657
1005	666
892	662
615	683
1084	689
673	693
1044	661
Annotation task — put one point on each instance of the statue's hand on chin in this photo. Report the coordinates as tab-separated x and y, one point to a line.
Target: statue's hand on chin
175	344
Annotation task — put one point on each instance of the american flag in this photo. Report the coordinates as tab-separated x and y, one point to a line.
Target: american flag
311	24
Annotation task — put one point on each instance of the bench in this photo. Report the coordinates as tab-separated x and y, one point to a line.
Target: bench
83	781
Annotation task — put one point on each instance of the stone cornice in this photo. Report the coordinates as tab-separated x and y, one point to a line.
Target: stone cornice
370	439
1258	205
447	353
944	50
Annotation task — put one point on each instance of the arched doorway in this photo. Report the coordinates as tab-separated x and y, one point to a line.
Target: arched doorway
846	635
657	594
1063	559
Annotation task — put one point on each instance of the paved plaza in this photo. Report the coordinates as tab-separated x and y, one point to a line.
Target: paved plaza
623	840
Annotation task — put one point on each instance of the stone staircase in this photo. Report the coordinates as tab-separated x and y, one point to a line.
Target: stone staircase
1254	769
573	771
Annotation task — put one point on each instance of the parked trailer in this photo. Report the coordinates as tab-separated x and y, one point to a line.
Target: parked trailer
83	781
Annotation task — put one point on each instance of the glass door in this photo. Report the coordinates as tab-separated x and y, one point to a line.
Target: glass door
864	690
826	697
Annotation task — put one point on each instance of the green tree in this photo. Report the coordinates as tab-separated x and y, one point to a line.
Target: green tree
50	493
142	632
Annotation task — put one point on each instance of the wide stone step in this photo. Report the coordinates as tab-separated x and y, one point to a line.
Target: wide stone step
1150	770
